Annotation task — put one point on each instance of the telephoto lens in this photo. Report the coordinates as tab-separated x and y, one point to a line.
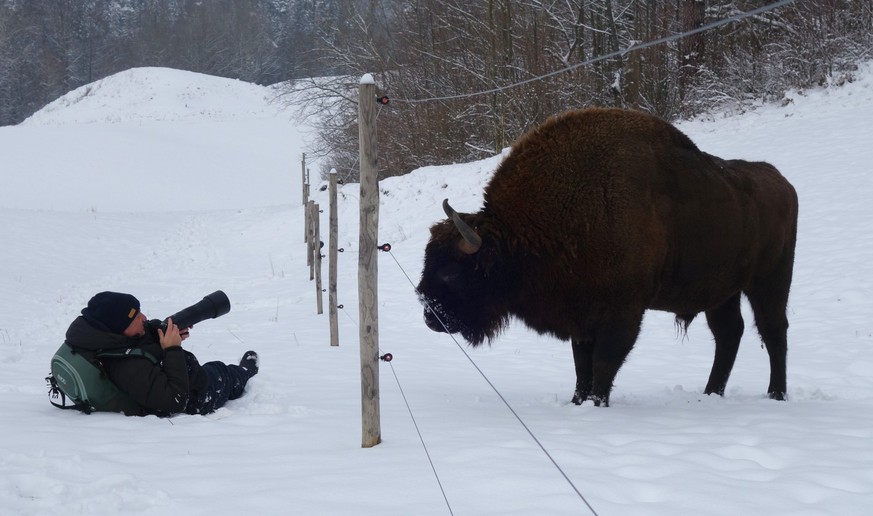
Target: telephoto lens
214	305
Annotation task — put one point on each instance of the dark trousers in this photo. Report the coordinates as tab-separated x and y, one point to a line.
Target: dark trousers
226	382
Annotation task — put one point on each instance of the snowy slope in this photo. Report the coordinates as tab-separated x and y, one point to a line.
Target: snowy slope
154	139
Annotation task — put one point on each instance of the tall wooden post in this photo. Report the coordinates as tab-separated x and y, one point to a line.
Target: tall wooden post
306	213
332	265
310	230
368	264
316	257
303	194
305	183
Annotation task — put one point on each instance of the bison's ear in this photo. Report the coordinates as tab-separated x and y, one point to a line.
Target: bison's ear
472	241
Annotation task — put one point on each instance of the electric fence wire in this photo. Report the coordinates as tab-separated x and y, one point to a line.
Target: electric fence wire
603	57
617	53
640	46
415	424
421	438
358	159
499	395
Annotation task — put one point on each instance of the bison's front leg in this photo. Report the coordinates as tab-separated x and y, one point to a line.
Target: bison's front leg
612	345
582	360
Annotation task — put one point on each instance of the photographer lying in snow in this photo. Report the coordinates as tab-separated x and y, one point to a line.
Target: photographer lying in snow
146	362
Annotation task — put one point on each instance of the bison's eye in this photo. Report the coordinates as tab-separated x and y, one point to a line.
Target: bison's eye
454	277
449	277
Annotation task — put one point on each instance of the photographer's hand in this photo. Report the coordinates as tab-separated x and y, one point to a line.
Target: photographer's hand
172	337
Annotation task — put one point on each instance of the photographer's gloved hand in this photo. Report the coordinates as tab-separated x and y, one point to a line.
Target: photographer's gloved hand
172	337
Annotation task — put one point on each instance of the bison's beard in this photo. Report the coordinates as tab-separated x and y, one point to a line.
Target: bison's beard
438	319
474	331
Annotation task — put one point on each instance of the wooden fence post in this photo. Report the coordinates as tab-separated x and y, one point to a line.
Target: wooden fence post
304	193
332	265
305	185
316	257
306	213
312	215
368	264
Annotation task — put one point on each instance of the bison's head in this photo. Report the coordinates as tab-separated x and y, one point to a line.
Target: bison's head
462	286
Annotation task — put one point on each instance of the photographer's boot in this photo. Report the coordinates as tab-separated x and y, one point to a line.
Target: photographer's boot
249	362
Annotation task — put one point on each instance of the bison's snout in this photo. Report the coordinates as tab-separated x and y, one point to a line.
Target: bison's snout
432	322
436	318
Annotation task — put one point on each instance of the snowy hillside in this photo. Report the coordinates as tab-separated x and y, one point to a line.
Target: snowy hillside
161	94
197	141
170	185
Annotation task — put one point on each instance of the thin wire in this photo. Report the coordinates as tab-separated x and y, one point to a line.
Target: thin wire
358	159
640	46
421	438
659	41
403	271
350	318
415	424
514	413
234	335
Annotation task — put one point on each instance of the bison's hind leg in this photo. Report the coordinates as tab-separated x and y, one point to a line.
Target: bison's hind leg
582	360
769	306
726	323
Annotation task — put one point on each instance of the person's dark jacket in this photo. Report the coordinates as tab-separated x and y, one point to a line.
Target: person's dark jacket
161	388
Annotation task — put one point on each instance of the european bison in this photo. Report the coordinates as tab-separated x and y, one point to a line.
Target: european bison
600	214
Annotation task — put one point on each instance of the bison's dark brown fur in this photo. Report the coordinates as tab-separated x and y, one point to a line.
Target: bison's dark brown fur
600	214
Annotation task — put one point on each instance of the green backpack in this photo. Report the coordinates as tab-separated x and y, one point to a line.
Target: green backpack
78	375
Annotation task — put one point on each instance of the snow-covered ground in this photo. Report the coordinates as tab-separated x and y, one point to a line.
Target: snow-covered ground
170	185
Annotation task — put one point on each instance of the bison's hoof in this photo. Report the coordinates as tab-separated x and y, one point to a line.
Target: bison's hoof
600	401
717	391
577	398
779	396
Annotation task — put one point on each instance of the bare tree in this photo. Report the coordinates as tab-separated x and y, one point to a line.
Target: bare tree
465	78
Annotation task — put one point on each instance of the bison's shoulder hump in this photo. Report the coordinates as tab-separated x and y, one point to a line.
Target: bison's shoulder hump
610	126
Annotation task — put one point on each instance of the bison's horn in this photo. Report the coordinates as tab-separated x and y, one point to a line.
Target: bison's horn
472	240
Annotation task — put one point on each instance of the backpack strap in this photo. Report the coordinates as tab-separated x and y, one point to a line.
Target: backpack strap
127	353
56	393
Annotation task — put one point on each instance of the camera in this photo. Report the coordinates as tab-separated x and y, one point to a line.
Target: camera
214	305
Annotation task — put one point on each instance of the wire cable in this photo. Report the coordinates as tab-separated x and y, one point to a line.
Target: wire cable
499	395
415	424
617	53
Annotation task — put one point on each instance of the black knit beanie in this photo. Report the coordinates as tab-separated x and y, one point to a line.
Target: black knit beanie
111	311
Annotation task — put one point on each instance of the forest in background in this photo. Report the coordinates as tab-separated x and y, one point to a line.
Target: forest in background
433	58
